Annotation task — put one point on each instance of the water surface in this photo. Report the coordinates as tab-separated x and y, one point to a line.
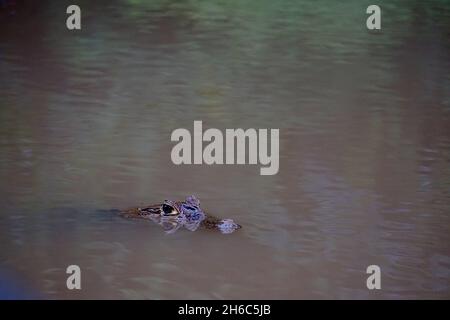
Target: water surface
85	124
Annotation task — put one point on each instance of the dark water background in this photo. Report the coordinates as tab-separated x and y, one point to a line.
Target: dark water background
364	119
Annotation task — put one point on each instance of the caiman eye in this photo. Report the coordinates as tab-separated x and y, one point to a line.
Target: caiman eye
168	209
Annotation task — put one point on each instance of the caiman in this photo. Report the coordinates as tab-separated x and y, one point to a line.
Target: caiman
172	215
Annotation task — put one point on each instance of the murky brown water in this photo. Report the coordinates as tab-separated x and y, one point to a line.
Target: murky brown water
85	123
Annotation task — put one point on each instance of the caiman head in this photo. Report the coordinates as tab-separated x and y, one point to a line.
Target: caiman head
174	214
